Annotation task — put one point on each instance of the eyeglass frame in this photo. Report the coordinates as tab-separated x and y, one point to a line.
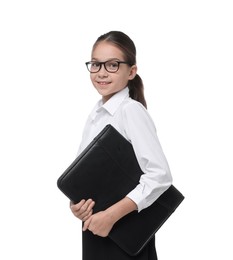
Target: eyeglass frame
103	63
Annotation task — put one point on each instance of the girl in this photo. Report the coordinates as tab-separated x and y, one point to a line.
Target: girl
113	73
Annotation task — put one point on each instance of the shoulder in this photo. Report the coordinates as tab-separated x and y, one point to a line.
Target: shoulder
132	105
136	118
133	108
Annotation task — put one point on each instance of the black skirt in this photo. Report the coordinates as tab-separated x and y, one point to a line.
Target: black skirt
103	248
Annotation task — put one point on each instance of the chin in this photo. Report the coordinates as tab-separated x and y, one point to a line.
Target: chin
103	90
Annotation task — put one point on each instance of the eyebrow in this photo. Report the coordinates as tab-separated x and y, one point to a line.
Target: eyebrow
111	59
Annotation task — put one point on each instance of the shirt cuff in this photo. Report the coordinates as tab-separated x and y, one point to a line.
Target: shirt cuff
143	200
136	195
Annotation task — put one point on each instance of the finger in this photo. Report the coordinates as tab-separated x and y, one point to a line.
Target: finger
86	224
91	205
87	216
89	202
86	207
76	207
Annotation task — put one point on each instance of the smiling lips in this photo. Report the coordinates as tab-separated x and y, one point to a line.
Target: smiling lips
103	83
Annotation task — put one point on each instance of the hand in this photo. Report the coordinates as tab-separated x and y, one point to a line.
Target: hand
82	210
99	224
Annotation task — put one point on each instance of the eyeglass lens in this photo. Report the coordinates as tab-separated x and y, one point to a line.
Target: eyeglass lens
110	66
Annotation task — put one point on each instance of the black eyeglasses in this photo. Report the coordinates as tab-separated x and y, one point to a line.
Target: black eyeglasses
110	66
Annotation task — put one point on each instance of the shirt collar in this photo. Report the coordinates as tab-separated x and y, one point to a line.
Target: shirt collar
112	104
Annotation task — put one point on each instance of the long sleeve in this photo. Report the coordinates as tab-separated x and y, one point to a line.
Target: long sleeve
141	132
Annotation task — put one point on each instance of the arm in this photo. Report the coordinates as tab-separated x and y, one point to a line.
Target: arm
102	222
141	132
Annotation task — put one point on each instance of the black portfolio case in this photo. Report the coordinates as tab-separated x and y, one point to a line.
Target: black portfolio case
106	171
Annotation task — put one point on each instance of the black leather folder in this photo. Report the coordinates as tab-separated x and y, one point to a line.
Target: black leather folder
106	171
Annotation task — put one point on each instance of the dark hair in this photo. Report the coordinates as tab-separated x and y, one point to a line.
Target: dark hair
126	45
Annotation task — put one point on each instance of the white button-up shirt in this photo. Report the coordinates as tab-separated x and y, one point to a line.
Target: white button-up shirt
133	121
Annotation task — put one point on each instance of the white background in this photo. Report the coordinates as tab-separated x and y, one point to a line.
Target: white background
185	58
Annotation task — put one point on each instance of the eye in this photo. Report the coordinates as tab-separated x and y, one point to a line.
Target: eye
95	64
112	64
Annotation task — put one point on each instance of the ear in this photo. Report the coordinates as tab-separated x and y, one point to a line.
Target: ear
133	72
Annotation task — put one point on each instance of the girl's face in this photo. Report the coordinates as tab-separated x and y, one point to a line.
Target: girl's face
107	83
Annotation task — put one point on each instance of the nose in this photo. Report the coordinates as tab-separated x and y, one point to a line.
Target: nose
102	72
